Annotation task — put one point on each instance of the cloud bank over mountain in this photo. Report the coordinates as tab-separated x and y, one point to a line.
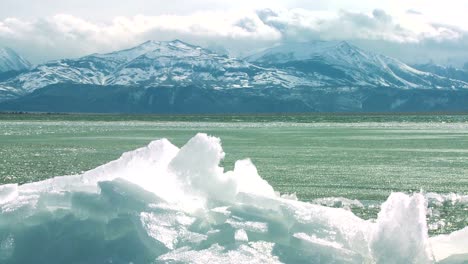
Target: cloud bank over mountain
410	34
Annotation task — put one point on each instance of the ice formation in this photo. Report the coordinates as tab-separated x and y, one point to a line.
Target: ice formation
162	204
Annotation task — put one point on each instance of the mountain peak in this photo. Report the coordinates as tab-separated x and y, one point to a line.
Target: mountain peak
131	53
303	51
175	48
11	61
345	44
148	43
155	47
155	43
181	44
178	41
6	50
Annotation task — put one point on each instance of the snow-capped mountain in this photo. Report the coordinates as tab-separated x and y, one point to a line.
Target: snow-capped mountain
11	61
93	69
152	64
341	64
178	77
177	63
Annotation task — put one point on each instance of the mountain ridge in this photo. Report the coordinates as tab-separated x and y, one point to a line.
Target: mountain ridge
445	71
160	61
11	61
339	73
363	67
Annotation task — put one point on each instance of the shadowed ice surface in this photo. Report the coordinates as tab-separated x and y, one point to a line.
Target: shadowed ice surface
162	204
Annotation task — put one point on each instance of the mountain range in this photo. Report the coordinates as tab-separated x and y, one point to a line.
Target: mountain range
177	77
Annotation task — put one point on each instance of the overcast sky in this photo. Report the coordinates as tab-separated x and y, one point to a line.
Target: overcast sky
413	31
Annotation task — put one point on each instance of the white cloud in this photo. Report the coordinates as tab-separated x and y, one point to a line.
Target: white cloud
239	30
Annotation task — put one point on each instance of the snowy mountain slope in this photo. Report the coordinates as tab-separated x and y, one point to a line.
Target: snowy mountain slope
177	63
448	72
346	64
120	57
7	92
92	69
11	61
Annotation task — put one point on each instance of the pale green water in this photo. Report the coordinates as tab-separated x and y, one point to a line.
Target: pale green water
356	157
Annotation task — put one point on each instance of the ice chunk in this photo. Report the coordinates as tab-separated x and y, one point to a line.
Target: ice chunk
197	167
400	234
339	202
253	253
452	198
8	193
455	244
241	235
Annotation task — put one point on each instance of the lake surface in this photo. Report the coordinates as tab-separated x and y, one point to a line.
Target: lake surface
362	158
